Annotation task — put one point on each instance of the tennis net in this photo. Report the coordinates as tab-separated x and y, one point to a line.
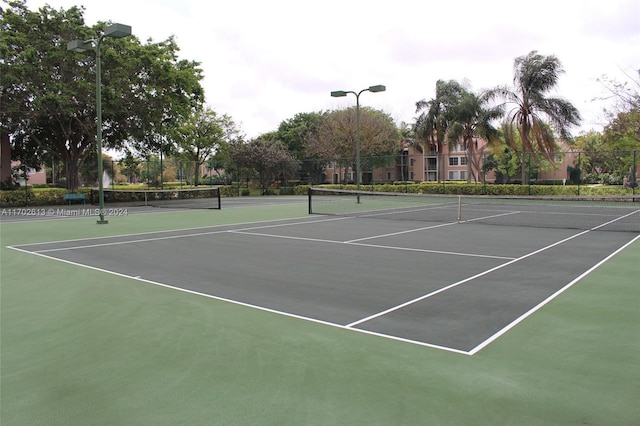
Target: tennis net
607	213
197	198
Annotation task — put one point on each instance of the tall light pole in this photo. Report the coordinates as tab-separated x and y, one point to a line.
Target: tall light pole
113	31
340	93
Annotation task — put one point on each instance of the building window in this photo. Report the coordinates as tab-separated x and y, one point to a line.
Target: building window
453	161
463	175
390	176
463	161
432	163
454	175
412	162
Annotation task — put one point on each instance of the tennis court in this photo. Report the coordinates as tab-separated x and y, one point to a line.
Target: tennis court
260	313
451	285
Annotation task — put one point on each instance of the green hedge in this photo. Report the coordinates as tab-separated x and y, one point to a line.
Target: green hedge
480	189
55	196
38	197
229	191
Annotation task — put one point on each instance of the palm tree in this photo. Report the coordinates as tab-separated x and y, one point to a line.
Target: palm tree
432	125
536	117
472	119
408	136
407	140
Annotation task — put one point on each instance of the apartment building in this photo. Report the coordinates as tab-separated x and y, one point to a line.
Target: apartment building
453	164
34	177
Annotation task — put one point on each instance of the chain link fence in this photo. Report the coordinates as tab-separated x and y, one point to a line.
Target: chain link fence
574	170
605	168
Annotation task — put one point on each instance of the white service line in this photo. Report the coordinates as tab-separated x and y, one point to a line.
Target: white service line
143	240
288	237
456	284
408	231
426	296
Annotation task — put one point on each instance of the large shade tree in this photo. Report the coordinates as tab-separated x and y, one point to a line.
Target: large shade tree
537	117
297	134
203	135
616	152
336	137
266	160
624	96
48	94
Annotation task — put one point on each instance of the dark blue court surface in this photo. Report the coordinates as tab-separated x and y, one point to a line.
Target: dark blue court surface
455	286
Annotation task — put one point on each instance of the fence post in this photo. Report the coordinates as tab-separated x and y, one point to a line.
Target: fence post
239	179
634	173
26	186
484	176
528	176
445	160
579	170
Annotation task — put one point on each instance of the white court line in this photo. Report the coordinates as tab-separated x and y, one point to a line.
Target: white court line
423	297
161	232
396	210
547	300
288	237
491	216
430	227
616	219
117	243
408	231
351	326
456	284
279	225
248	305
451	253
285	237
167	237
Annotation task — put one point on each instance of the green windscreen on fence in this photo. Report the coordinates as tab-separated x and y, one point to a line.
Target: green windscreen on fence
608	213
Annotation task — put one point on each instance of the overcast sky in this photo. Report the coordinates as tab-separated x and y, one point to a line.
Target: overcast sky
265	61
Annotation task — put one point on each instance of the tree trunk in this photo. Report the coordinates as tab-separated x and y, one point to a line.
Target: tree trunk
72	173
5	157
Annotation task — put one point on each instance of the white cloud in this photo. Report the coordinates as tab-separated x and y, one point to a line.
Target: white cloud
266	61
